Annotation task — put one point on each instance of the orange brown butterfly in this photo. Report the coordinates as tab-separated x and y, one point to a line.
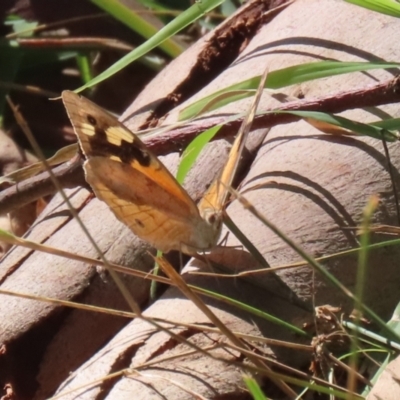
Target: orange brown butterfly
140	190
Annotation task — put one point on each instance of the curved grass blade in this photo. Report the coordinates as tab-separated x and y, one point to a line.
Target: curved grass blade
372	130
63	155
193	150
188	16
388	7
134	21
254	388
278	79
388	124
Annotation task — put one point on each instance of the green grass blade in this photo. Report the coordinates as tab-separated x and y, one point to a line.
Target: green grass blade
138	24
372	130
388	124
278	79
394	322
388	7
11	56
196	146
317	70
188	16
247	244
193	150
376	130
84	67
222	98
378	373
334	392
254	388
368	212
250	309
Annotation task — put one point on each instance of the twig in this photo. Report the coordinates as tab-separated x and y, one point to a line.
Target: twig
375	95
69	174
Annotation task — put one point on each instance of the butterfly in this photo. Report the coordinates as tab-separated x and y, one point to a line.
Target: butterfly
140	190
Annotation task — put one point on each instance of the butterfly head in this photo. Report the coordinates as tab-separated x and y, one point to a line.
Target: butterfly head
213	224
205	233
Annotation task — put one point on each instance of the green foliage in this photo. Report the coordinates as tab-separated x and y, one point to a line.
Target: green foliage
373	130
193	150
138	24
279	79
186	18
254	388
388	7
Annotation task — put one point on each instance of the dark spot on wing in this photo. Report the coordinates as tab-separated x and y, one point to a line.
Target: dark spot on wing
127	152
92	120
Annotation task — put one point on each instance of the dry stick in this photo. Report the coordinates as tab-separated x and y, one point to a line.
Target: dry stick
35	90
374	95
84	43
16	35
379	94
174	324
70	175
335	360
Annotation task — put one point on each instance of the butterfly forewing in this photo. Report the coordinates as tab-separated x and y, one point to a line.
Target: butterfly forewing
101	134
136	186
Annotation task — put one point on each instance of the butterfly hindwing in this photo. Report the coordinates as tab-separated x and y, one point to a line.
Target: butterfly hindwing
131	185
161	227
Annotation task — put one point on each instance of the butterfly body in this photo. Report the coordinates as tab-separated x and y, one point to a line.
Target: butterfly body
137	187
